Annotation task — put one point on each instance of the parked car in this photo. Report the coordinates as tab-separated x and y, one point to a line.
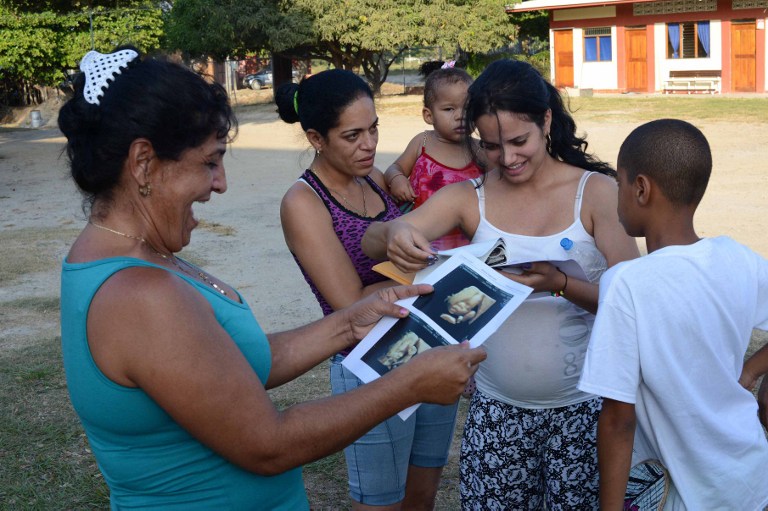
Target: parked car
263	79
258	80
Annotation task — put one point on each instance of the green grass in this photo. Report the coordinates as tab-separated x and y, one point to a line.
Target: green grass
629	108
623	108
45	462
603	107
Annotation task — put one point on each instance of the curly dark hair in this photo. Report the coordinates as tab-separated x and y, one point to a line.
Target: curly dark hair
515	86
166	103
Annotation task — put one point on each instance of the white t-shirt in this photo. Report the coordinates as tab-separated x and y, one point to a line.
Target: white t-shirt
535	357
670	336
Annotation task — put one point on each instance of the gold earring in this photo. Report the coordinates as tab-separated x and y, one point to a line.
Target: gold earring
548	139
145	190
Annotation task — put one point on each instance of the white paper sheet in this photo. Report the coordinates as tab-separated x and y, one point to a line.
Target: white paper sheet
471	300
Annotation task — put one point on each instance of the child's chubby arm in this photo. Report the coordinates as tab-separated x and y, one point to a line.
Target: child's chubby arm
615	437
396	175
755	367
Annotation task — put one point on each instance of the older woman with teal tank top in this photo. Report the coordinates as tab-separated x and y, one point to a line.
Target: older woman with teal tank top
166	365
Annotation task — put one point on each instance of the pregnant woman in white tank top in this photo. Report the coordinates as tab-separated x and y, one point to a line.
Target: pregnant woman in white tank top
530	434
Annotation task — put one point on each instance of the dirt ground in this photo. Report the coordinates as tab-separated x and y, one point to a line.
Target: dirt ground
240	240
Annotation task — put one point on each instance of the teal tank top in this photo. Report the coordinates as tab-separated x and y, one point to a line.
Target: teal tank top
147	459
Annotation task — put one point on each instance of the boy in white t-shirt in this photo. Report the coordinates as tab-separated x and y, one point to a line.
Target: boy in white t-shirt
672	329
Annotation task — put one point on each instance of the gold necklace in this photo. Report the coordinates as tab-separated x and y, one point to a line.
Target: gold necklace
344	198
192	271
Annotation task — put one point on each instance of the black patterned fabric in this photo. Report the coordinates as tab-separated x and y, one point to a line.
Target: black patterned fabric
520	458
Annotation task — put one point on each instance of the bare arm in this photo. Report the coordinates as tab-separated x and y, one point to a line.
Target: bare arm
615	437
543	276
296	351
396	175
754	368
310	236
182	358
601	199
405	241
601	202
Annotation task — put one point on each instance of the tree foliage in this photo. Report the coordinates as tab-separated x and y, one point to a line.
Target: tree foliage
37	47
364	35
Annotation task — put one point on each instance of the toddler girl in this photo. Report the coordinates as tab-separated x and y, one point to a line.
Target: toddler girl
437	157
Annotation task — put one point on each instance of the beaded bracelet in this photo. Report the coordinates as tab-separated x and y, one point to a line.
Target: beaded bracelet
562	291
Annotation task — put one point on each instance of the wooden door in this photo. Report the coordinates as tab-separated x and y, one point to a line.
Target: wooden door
563	58
637	59
743	56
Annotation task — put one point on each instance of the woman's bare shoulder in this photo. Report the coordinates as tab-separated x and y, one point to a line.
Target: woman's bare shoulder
600	185
300	196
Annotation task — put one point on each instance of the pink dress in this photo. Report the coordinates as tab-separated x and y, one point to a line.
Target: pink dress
429	175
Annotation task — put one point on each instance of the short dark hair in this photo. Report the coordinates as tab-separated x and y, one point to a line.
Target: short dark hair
674	153
440	77
168	104
318	101
517	87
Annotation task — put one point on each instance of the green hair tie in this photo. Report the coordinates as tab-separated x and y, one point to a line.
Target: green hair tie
296	102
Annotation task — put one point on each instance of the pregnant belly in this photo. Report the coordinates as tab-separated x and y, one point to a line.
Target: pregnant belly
535	358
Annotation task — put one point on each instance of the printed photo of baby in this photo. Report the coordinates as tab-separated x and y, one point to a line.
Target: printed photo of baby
466	305
403	350
463	302
407	338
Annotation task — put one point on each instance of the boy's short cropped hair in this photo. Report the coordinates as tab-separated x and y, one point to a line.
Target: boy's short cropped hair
674	154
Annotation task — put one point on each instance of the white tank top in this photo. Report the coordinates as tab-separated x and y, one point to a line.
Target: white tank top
535	358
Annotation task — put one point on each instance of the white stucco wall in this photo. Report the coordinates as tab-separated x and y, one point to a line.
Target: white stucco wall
594	75
590	75
762	32
664	65
604	75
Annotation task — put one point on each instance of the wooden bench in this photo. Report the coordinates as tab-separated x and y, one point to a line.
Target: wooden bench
690	82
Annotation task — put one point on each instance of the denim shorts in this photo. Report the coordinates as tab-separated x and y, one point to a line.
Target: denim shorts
377	463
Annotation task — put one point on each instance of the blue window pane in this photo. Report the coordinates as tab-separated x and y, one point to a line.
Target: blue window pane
590	49
605	48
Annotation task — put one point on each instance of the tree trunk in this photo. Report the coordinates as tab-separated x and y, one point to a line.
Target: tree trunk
282	70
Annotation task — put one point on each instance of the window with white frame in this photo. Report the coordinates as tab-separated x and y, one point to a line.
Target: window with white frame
688	40
597	44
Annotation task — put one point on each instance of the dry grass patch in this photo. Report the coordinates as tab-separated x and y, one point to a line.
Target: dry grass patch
45	462
25	251
217	228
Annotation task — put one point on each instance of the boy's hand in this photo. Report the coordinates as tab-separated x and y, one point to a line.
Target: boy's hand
762	403
747	379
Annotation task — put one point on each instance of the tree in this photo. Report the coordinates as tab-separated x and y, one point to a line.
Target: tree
360	35
37	47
